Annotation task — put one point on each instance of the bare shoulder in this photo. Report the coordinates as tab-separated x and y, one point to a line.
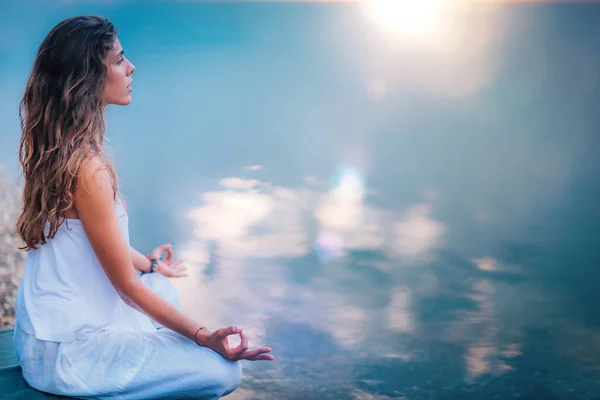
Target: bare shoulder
93	187
92	176
92	169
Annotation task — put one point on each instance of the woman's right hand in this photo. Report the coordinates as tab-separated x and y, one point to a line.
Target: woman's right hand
218	341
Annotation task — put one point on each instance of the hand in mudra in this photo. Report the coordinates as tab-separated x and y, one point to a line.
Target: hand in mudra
167	267
218	341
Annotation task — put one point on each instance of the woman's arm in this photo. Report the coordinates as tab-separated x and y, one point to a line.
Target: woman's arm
95	207
140	262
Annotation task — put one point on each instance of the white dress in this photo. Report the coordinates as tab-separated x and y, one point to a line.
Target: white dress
74	336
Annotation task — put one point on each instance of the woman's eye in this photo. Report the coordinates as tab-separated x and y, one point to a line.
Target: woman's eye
120	62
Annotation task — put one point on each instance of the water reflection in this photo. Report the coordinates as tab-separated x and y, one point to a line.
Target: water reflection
324	276
320	263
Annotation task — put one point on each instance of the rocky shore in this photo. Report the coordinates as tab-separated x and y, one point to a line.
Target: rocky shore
11	258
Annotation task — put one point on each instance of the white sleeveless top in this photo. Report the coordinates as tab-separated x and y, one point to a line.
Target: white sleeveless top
64	293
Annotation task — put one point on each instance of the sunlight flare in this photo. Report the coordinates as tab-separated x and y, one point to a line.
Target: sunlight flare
409	19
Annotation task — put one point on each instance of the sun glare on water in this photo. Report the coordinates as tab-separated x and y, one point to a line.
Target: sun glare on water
409	19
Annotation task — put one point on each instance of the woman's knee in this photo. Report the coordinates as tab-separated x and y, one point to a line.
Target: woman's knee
235	378
227	378
156	282
162	286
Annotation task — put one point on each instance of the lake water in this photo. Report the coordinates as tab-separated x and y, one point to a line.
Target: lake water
398	214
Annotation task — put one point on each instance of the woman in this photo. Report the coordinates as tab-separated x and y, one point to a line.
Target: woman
86	324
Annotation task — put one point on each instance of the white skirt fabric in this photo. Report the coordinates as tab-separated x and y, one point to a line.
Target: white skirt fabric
127	364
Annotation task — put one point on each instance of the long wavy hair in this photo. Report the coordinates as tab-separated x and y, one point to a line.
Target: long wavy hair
62	122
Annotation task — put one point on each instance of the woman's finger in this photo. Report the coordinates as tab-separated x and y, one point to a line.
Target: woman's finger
253	353
158	252
169	250
173	269
259	357
224	332
176	267
239	350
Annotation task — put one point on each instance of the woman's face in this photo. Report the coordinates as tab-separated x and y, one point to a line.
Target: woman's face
117	90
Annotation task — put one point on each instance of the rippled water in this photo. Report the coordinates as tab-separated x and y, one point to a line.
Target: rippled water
393	221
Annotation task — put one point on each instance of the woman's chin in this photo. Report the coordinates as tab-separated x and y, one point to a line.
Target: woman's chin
125	101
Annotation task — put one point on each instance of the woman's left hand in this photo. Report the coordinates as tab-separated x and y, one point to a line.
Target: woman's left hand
167	267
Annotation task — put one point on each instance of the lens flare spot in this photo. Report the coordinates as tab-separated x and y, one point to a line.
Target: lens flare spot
328	246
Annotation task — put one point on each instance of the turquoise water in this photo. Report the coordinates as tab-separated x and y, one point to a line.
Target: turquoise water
395	221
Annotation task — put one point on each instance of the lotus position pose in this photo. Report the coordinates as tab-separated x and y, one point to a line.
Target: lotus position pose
94	317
